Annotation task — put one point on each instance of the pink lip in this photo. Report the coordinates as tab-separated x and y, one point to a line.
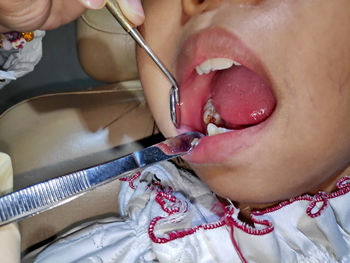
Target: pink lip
213	43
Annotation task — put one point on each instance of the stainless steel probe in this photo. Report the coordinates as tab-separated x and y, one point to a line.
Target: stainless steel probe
115	10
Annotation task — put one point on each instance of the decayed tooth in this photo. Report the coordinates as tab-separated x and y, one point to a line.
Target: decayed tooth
209	105
211	118
212	129
215	64
209	113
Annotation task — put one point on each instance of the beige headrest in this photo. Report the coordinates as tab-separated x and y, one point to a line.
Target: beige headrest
106	51
10	239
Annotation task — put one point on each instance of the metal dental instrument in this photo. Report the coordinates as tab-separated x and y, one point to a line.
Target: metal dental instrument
114	8
52	193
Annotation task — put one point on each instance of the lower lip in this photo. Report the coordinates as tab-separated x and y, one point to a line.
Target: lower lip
217	149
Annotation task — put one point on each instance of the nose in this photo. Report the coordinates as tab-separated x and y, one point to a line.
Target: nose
195	7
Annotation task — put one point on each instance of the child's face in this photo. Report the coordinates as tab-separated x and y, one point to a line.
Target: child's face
291	107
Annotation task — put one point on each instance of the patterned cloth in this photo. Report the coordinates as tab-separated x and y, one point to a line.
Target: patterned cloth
16	63
168	215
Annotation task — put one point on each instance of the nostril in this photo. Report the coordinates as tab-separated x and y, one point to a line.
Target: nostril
195	7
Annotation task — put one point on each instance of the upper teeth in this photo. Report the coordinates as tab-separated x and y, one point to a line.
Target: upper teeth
213	64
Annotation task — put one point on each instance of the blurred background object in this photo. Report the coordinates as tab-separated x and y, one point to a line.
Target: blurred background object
82	105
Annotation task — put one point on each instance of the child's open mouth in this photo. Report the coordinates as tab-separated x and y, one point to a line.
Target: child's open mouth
238	97
224	91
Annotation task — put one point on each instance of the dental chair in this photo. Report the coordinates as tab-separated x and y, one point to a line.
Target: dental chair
54	134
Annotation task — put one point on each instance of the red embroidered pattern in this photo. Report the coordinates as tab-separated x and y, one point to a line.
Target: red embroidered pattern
171	205
178	234
320	197
239	252
170	209
232	221
343	186
131	179
163	198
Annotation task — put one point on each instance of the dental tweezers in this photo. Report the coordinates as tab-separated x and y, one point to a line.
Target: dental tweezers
46	195
115	10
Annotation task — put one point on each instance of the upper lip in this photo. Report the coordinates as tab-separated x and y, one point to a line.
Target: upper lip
214	42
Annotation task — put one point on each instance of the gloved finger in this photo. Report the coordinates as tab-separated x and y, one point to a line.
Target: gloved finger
93	4
133	10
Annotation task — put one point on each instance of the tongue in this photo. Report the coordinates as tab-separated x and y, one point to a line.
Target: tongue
241	97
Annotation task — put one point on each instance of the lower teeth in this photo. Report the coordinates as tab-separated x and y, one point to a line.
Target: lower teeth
212	129
211	118
210	115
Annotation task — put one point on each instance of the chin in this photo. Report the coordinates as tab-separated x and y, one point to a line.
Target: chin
244	185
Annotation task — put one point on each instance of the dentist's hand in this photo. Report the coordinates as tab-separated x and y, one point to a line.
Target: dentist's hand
28	15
